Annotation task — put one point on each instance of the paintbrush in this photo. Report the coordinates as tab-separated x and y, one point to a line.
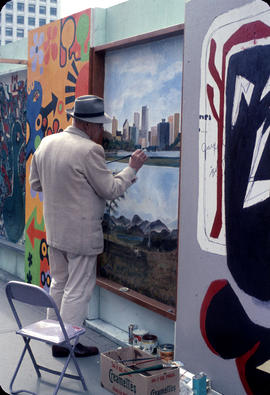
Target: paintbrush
155	367
123	157
141	359
118	159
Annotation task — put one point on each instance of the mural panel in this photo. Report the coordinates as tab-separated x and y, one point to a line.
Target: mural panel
143	94
13	95
234	202
57	73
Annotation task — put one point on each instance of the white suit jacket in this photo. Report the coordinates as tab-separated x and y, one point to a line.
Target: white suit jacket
70	170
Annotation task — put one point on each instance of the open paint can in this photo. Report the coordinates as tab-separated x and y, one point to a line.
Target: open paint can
150	343
137	337
166	352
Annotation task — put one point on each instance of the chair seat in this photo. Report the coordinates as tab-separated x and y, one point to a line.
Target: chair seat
50	331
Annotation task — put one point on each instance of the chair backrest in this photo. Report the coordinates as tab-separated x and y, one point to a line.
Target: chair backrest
32	295
29	293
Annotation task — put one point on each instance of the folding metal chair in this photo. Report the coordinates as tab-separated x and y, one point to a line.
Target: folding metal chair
48	331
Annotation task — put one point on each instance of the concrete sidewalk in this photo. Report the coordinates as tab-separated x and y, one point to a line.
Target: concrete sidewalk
11	346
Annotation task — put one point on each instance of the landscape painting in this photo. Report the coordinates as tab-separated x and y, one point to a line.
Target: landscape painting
143	95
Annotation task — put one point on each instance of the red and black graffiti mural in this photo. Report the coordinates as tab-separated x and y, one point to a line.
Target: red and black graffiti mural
12	156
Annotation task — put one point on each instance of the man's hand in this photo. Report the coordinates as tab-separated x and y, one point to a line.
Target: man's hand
137	159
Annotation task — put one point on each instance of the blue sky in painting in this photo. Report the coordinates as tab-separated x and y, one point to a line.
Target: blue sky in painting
153	196
147	74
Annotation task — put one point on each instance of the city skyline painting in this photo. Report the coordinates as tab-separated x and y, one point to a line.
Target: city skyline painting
143	95
151	86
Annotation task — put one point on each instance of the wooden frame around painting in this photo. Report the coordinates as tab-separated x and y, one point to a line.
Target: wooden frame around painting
140	257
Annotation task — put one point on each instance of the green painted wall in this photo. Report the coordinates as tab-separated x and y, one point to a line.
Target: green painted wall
98	31
135	17
15	50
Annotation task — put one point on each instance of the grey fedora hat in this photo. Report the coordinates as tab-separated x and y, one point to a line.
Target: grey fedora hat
89	108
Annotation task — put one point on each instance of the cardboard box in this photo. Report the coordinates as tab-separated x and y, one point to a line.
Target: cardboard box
156	382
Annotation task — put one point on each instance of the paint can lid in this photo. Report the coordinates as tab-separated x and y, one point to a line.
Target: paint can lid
140	332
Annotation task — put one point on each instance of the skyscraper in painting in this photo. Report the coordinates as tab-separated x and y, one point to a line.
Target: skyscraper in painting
176	125
170	120
114	126
137	119
145	121
163	132
126	130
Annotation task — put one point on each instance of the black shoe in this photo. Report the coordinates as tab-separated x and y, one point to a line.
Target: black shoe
59	351
81	351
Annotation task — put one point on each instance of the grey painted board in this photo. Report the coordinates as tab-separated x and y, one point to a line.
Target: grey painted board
197	267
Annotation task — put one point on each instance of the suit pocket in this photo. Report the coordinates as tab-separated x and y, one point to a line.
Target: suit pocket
92	236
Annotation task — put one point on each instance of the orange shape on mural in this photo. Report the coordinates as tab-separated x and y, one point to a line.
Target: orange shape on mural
34	233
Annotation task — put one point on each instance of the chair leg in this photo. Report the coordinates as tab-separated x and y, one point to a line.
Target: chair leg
79	371
32	357
62	375
26	347
71	356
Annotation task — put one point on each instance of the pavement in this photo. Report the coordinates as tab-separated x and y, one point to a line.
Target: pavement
11	346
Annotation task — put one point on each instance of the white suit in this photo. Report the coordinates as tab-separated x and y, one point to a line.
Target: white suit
71	171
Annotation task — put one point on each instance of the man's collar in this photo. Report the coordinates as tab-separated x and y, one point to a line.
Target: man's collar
78	132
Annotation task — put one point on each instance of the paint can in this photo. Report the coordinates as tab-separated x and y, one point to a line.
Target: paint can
150	343
199	384
166	352
137	337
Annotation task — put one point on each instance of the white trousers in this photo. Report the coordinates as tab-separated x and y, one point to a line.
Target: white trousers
73	281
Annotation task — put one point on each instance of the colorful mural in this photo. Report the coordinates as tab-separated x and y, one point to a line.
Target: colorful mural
58	72
143	94
234	188
13	96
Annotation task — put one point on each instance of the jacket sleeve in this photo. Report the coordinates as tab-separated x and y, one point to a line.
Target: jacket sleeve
107	185
34	176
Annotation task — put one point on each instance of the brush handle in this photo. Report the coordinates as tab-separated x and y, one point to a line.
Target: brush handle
150	359
118	159
155	367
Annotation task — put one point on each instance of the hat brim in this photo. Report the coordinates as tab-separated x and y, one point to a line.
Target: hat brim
102	119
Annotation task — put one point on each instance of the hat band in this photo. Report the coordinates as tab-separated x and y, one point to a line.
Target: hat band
97	114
